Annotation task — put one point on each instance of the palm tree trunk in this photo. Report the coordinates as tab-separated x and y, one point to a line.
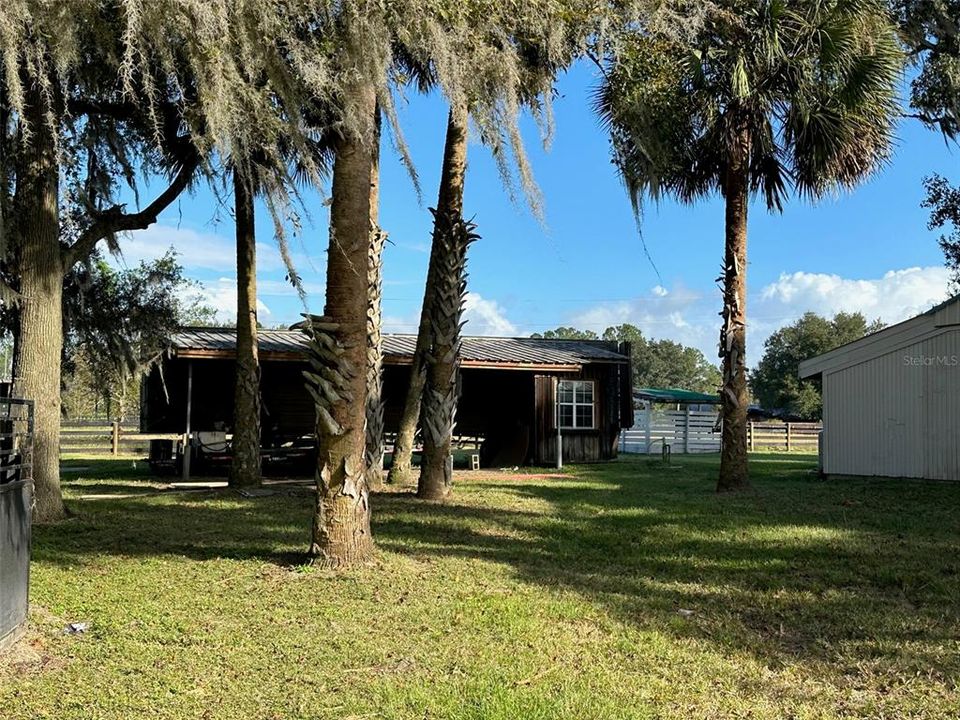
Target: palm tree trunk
452	237
734	473
442	390
374	451
449	201
40	336
341	525
245	468
374	365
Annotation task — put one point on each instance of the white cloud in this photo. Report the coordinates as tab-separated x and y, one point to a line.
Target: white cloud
222	297
692	319
676	314
195	250
896	296
485	317
404	324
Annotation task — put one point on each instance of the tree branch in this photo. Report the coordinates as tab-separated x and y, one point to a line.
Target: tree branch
114	219
596	61
123	110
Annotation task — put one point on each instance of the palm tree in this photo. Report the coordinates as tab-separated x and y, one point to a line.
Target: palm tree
338	343
443	307
766	96
449	208
374	367
245	469
540	42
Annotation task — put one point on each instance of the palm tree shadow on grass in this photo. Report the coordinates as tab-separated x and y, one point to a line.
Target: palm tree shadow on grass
791	571
794	571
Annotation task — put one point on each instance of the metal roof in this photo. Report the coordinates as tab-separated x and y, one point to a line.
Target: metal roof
399	349
676	395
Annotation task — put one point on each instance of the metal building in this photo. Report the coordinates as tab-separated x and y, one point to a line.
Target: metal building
891	400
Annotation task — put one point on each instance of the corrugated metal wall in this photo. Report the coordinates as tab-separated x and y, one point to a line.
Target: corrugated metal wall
897	415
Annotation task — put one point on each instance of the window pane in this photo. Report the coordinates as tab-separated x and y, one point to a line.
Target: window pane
566	416
585	416
566	391
584	392
588	392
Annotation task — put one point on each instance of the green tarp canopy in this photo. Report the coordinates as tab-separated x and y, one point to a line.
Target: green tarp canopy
675	395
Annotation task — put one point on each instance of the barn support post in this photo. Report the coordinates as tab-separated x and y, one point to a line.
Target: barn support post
556	409
187	444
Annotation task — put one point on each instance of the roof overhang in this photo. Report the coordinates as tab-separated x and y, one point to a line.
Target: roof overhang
394	360
676	396
941	319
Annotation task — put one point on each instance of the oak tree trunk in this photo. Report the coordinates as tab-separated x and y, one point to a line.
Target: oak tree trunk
40	333
245	468
341	524
734	474
374	368
449	201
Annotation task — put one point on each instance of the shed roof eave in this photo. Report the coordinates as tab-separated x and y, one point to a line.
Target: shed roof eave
873	345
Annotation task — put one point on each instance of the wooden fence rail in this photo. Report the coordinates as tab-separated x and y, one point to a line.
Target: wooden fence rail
784	435
100	439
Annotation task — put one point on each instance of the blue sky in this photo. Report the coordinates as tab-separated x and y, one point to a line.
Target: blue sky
585	265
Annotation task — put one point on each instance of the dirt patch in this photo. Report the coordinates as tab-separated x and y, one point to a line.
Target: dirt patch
30	654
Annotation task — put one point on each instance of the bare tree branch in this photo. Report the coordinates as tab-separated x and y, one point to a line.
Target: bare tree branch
114	219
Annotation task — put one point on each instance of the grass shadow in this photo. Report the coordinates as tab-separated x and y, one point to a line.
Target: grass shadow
795	569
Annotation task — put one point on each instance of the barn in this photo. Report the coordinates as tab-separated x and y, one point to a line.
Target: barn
891	399
514	391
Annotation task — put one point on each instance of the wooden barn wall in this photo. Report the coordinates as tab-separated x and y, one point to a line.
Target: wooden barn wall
579	446
896	415
489	399
499	405
286	408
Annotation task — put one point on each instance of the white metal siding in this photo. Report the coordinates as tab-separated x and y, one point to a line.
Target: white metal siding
888	417
948	314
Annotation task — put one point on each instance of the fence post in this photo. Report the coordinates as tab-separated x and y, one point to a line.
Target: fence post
648	414
750	436
686	432
115	438
788	437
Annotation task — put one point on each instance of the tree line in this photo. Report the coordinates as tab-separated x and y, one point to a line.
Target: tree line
734	97
653	363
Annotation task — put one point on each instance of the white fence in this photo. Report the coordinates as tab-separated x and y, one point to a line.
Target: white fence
685	431
693	431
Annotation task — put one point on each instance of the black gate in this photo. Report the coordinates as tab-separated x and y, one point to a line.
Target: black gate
16	491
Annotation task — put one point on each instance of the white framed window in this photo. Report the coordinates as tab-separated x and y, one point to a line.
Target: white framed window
575	404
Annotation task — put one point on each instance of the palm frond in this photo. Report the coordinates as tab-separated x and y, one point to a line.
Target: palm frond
813	81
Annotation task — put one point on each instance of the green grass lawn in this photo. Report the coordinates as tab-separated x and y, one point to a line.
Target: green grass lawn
524	597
